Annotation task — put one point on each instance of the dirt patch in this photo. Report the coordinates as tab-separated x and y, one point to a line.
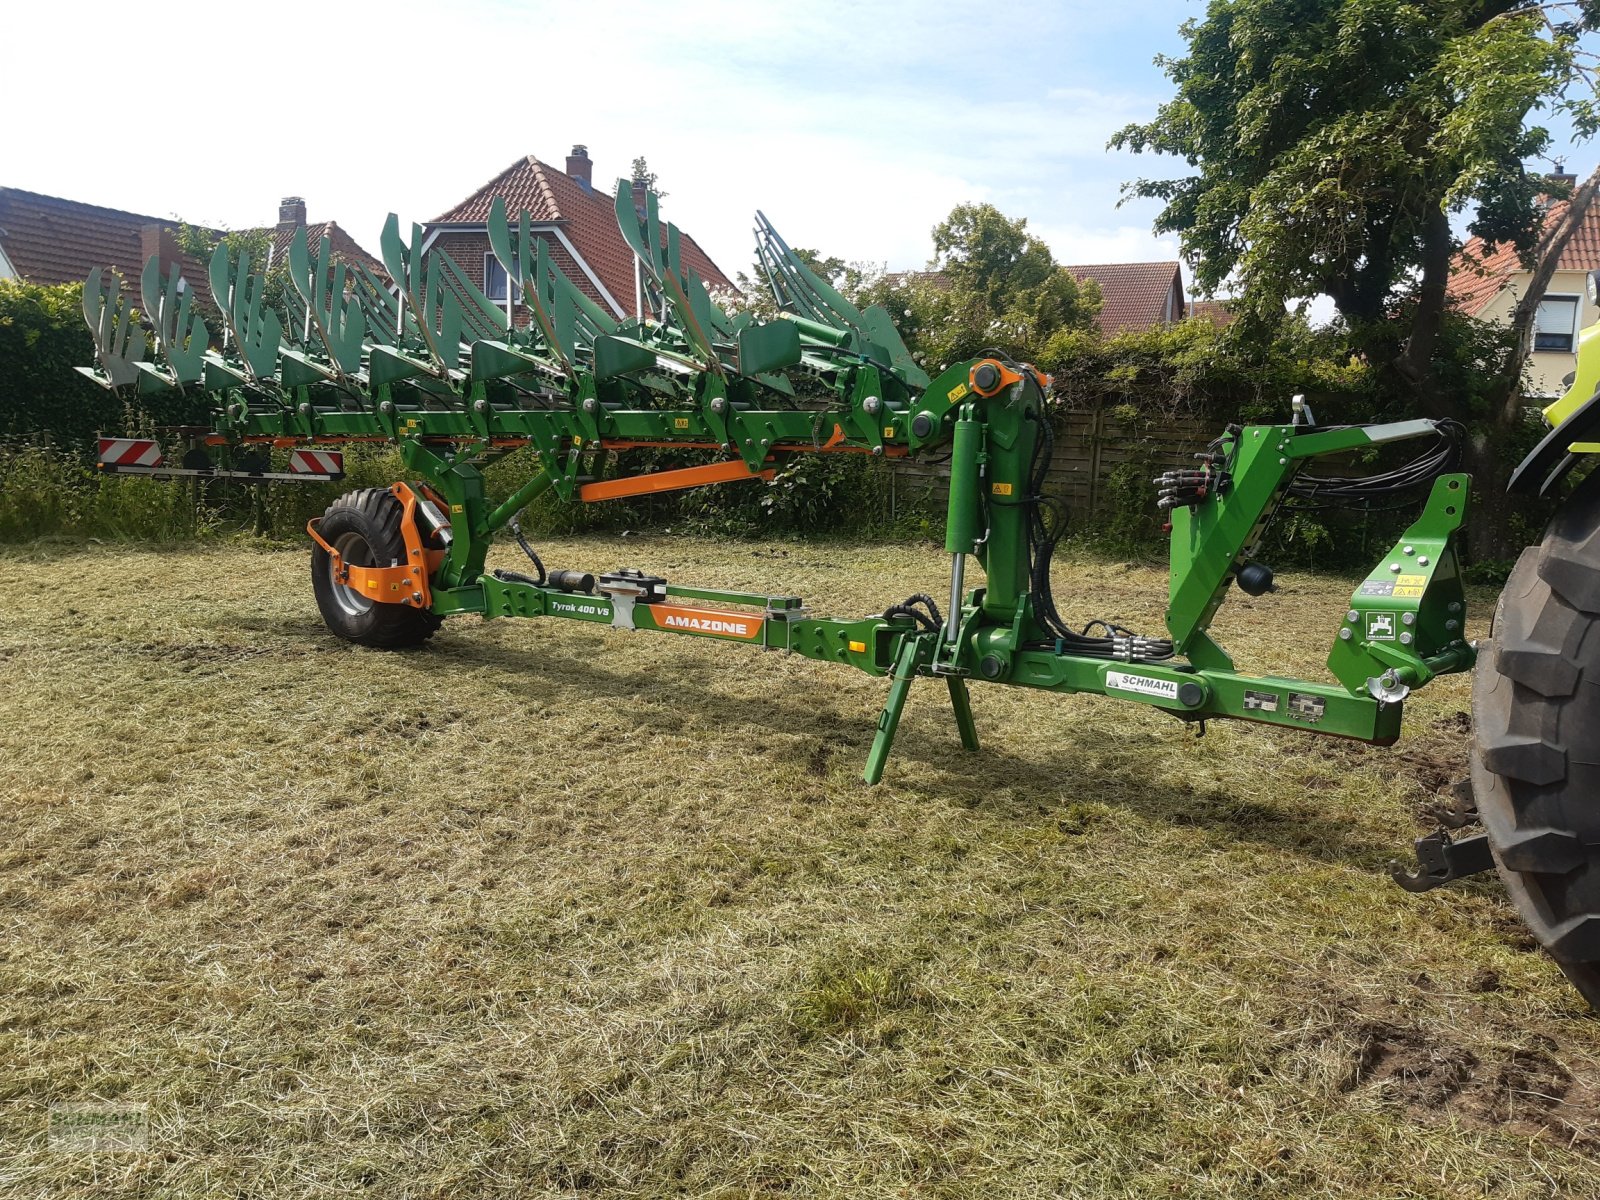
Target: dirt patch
1528	1092
817	761
1410	1067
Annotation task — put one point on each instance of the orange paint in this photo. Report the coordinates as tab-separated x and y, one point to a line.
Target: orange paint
711	622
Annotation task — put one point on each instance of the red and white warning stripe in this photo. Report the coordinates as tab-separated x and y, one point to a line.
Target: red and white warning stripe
316	462
130	452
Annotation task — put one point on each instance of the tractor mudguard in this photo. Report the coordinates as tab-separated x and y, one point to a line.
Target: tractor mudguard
1552	458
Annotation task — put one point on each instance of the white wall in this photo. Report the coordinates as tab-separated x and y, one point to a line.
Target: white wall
1545	367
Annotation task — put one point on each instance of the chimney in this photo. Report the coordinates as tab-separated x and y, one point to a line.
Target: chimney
291	212
159	242
579	167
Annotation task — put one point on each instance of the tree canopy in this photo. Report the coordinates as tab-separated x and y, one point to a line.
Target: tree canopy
1330	144
991	283
1333	138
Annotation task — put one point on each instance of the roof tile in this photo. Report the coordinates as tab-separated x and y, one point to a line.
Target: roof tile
50	240
1134	294
1480	269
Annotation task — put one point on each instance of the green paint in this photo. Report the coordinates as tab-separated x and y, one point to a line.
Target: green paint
440	370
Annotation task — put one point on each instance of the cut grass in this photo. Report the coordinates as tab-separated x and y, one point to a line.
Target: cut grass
546	908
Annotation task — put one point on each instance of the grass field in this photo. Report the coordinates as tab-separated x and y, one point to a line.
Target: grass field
547	909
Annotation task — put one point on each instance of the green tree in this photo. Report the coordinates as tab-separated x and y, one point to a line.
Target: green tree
990	285
643	174
1332	140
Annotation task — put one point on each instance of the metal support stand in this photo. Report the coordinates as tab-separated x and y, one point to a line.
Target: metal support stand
962	703
905	670
906	665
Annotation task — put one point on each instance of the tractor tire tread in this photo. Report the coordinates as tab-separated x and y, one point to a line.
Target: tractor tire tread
1536	738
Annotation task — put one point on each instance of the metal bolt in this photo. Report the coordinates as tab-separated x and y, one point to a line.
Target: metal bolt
1452	626
1345	633
417	596
1394	566
872	404
481	405
1352	616
1408	618
1405	639
1455	606
1409	550
416	570
1283	462
1423	561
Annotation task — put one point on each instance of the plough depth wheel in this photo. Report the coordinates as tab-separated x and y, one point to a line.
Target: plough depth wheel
1536	738
365	528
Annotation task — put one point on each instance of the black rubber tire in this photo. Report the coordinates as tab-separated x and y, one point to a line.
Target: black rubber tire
364	526
1536	738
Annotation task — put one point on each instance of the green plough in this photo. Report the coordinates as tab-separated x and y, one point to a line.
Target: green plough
424	360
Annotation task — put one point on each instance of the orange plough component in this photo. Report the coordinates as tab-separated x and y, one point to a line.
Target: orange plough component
670	481
407	583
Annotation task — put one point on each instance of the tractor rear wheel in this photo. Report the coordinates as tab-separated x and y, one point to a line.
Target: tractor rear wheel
364	527
1536	738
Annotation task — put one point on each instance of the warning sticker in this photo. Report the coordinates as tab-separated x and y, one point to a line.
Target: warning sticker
956	392
1408	593
1001	489
1377	587
1261	701
1380	627
1412	581
1149	685
1307	708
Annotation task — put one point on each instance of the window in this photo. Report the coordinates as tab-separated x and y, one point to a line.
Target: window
1557	324
496	284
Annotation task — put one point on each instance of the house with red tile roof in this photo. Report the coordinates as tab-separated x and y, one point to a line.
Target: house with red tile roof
1219	312
1136	296
578	223
51	240
1486	281
292	215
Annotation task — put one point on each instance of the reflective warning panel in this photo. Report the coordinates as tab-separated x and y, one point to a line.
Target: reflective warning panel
130	452
316	462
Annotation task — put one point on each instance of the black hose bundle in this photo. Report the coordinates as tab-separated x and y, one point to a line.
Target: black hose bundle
912	606
1331	491
516	576
1047	521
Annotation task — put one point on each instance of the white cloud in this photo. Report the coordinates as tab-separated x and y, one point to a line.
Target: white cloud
1117	244
855	126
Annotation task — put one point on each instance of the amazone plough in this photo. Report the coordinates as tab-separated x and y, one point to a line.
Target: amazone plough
425	361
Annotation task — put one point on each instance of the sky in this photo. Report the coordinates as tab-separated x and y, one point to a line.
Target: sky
855	127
